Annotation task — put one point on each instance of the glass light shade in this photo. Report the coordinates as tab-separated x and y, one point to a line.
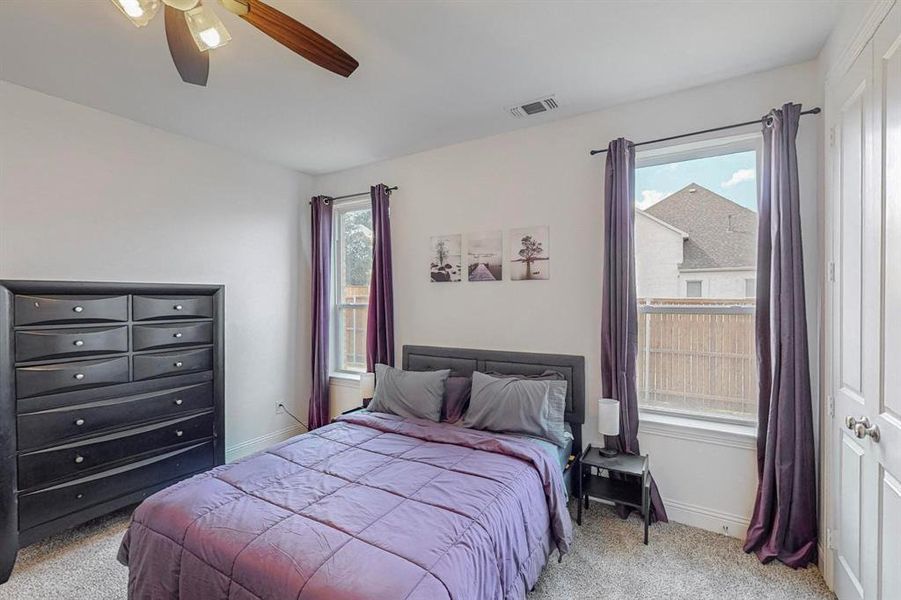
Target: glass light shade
139	12
608	416
367	386
206	28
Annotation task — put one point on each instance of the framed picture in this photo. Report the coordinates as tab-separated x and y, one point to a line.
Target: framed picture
485	253
446	258
530	253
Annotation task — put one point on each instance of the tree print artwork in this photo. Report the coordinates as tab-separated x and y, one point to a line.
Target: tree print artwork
446	258
530	253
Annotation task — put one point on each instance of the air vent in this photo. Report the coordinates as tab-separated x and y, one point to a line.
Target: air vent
535	107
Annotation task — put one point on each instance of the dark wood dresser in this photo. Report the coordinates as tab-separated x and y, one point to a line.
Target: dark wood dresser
109	392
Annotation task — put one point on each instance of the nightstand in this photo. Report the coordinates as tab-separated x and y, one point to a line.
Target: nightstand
633	491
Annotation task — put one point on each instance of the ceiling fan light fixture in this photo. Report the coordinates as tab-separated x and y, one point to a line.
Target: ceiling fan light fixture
139	12
206	28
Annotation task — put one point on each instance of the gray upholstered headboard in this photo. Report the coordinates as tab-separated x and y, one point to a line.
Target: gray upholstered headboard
463	361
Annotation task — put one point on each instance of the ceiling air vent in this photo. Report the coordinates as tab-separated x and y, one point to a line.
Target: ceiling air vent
534	107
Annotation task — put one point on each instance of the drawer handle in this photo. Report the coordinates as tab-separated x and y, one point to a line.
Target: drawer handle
178	307
79	376
78	309
79	496
178	364
178	401
179	433
79	343
79	459
177	334
79	422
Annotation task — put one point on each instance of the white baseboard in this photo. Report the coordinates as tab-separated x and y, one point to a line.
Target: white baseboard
710	519
262	442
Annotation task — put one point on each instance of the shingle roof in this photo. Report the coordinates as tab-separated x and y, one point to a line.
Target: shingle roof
721	233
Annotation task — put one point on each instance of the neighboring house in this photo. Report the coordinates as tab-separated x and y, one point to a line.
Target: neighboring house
696	243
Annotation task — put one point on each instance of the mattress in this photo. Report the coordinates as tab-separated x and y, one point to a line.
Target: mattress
340	513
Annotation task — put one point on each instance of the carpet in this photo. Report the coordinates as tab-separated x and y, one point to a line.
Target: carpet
607	561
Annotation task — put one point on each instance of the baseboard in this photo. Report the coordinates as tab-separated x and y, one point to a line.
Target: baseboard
703	517
261	443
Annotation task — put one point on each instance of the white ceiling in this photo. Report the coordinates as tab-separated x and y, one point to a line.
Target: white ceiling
431	72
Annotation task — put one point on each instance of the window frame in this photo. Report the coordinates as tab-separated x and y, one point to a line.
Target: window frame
339	209
706	147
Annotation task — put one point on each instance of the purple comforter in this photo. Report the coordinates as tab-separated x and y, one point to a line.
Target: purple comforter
373	506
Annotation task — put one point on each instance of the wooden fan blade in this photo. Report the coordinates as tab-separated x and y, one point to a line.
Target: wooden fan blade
299	38
192	64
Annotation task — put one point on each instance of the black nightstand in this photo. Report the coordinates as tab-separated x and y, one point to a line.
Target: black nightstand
634	491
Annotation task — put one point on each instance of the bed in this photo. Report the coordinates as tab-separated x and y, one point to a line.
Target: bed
370	506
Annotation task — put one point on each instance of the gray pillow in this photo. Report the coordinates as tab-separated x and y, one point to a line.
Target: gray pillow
511	405
417	394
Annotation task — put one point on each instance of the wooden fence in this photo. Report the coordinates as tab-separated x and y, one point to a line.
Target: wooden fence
698	355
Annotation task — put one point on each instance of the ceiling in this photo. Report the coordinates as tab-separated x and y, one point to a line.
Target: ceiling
431	73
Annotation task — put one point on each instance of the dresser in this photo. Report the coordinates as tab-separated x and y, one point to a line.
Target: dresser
109	392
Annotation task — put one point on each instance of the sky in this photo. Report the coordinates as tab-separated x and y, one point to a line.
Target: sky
730	175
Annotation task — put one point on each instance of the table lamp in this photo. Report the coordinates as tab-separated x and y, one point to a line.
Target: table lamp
608	423
367	387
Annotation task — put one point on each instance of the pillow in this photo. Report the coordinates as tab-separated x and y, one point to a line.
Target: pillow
416	394
513	405
456	398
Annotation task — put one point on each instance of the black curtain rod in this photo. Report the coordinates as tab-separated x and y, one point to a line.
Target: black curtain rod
347	196
812	111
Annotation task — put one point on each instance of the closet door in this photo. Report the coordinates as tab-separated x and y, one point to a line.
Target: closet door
865	325
886	414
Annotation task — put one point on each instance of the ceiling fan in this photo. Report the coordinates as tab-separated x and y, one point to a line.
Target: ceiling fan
193	29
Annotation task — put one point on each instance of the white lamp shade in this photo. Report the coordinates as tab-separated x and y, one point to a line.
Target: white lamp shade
367	385
608	416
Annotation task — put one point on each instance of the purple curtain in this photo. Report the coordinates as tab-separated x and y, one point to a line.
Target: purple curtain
619	322
380	320
321	263
784	522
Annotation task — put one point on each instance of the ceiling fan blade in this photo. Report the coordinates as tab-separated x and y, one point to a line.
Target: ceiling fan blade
192	64
299	38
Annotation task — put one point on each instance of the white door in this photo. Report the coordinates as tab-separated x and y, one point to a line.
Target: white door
885	410
865	328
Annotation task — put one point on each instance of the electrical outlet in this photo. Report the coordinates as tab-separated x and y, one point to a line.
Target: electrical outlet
279	408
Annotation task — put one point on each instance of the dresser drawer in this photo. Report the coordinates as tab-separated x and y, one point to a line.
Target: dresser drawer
57	425
161	364
46	310
54	502
44	466
171	307
60	377
48	344
150	337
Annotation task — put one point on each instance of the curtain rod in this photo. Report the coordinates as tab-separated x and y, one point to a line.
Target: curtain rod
812	111
348	196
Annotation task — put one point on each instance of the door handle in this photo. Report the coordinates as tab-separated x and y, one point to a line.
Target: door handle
864	428
851	422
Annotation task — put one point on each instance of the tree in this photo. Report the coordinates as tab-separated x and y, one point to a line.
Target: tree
357	247
530	251
441	253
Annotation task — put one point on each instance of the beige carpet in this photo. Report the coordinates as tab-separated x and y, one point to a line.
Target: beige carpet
608	561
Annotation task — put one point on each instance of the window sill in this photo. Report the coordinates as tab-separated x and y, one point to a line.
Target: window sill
344	379
733	435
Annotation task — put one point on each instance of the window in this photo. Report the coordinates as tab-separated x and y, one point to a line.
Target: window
696	253
751	287
353	270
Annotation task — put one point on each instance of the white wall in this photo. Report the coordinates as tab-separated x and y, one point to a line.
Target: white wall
85	195
544	175
658	254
